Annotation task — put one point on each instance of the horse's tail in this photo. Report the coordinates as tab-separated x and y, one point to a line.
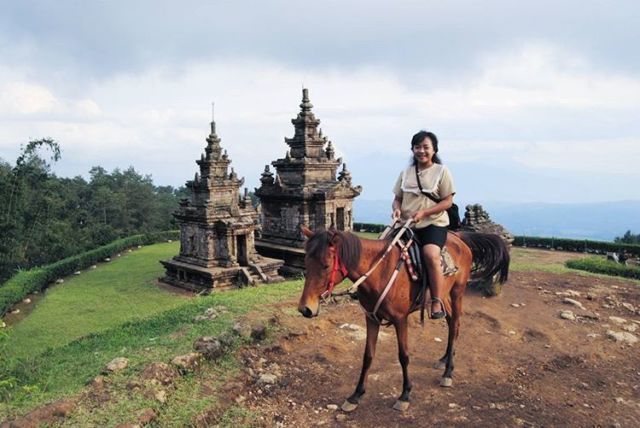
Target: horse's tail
490	255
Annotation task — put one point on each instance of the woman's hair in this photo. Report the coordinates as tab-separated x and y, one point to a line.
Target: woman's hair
419	138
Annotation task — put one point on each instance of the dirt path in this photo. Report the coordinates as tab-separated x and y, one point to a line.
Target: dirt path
517	364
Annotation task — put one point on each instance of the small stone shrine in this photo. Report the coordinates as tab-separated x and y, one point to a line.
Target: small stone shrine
217	230
304	191
476	219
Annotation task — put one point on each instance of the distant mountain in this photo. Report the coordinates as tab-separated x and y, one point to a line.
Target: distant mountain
598	221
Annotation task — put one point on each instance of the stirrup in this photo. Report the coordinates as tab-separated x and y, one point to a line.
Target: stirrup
439	314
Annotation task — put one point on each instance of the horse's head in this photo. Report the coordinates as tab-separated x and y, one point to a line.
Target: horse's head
330	254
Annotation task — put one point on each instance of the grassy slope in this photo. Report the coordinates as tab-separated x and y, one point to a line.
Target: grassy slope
78	346
368	235
96	300
524	260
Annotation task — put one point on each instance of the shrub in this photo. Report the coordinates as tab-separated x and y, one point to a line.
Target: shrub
368	227
578	245
37	279
607	267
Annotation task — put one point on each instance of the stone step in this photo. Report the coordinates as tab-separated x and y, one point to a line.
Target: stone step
247	277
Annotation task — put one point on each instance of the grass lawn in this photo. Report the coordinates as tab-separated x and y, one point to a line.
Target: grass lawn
96	300
113	311
367	235
527	260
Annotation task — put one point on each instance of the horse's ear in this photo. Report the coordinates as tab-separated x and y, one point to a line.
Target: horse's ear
335	237
306	231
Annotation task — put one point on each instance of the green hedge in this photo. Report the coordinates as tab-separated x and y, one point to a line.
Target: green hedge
37	279
564	244
579	245
607	267
368	227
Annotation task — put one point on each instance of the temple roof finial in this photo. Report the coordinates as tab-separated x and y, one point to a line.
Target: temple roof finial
213	120
306	104
345	175
329	151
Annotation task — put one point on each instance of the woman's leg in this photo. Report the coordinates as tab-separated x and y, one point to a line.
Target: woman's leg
431	254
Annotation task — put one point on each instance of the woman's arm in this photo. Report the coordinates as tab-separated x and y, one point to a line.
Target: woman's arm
395	207
443	205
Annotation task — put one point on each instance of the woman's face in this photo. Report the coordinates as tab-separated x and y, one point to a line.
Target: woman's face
423	152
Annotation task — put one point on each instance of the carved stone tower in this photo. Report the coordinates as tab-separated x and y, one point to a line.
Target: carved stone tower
305	190
217	228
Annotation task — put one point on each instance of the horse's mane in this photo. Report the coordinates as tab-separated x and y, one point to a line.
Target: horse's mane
348	246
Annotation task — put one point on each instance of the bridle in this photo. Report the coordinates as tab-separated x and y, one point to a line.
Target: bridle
337	266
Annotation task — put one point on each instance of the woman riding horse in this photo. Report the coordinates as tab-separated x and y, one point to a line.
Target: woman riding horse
427	175
387	292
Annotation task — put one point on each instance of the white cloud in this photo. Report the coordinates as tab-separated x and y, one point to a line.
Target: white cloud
536	76
158	120
87	108
617	156
25	98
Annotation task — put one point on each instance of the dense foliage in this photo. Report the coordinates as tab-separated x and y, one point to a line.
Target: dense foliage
44	218
628	238
607	267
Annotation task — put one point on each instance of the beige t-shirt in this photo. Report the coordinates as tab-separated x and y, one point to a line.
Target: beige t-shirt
436	180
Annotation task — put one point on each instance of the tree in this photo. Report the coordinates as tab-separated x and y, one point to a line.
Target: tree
628	238
44	218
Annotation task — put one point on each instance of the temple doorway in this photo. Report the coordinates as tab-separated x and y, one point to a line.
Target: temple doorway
241	245
340	218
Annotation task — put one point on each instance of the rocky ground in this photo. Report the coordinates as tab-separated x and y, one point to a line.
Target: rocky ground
552	349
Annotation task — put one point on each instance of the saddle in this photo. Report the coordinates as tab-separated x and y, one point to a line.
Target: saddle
411	253
413	257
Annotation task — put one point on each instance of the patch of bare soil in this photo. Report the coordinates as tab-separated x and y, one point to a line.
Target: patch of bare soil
517	362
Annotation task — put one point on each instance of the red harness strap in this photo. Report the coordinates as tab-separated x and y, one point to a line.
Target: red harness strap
337	266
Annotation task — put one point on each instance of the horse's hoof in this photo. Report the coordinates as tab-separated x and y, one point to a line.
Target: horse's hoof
446	382
348	407
439	365
401	405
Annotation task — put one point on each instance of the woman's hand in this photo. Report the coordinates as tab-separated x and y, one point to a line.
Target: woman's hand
396	214
419	216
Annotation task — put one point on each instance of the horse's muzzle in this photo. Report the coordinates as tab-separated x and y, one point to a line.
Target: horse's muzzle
306	312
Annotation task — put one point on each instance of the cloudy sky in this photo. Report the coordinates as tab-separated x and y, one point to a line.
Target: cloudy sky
532	101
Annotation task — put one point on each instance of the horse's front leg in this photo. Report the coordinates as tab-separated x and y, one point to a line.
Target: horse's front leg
351	403
403	355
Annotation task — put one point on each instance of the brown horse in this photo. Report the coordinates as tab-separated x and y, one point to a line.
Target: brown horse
332	256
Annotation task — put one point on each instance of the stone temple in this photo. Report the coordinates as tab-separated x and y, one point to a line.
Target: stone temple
217	229
304	191
476	219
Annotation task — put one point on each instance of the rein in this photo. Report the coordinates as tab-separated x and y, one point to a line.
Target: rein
339	266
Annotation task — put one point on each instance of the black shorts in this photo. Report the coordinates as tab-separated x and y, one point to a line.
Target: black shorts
431	234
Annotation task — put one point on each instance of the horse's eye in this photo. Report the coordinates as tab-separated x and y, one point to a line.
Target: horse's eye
325	267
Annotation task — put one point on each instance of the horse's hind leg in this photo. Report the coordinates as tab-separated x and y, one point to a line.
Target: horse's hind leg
403	355
351	403
442	362
453	322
